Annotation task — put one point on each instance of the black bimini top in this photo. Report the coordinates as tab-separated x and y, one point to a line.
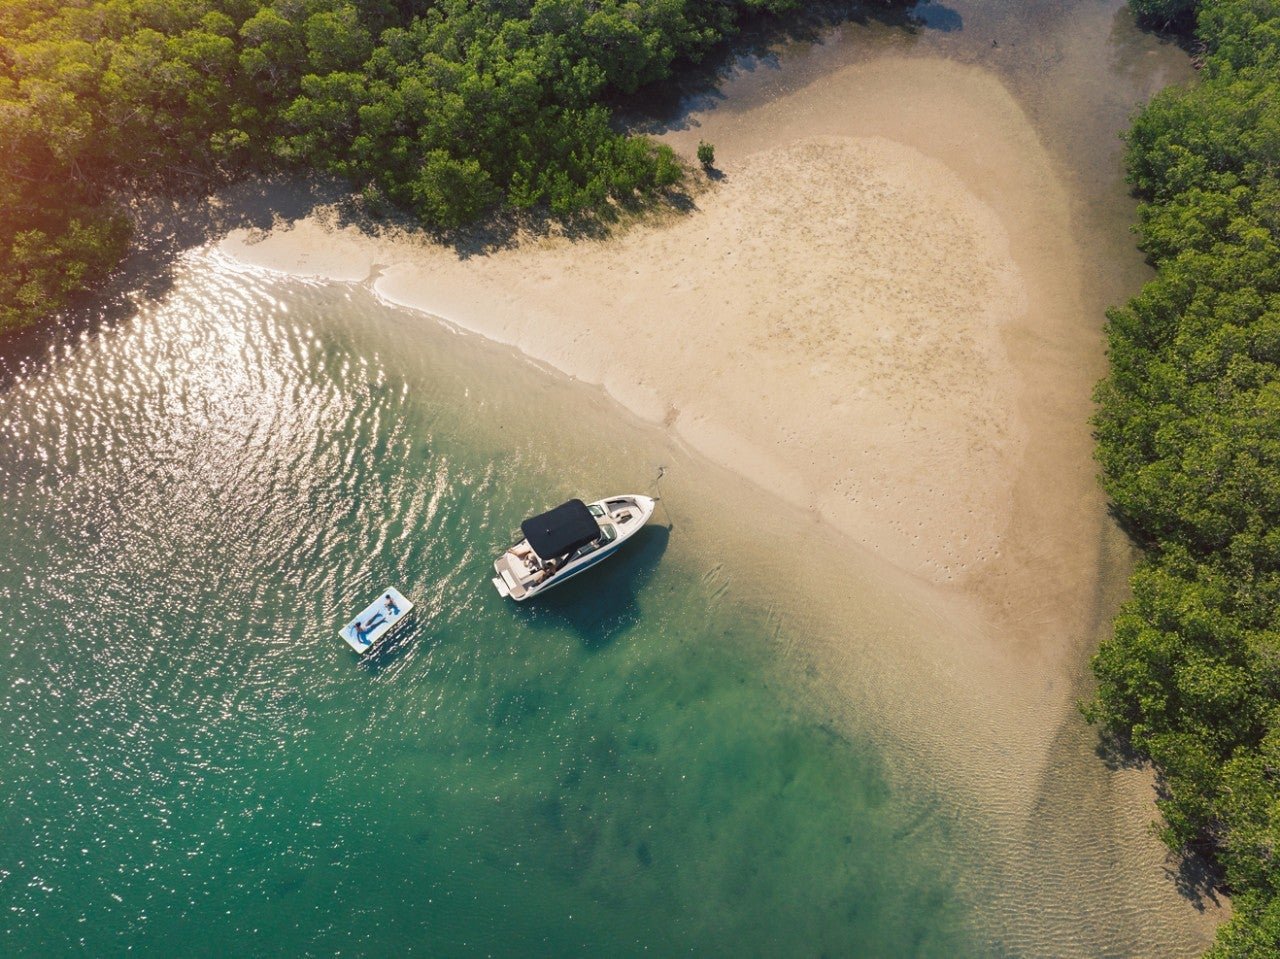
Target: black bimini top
561	530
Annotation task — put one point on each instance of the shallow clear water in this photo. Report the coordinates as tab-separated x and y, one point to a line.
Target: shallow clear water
195	493
196	496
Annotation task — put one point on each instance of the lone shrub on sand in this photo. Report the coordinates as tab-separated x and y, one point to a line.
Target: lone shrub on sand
706	154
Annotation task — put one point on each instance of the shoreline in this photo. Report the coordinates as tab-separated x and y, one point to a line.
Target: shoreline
879	357
851	325
870	342
755	337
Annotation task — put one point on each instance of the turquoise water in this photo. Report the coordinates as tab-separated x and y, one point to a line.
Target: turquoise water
194	497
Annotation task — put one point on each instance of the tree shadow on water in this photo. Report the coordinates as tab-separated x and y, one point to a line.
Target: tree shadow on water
601	605
696	88
165	226
1117	753
1191	869
936	16
1197	878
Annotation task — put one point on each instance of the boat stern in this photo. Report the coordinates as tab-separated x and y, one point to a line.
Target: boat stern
507	582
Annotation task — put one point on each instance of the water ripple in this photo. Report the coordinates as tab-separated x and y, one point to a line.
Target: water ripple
193	500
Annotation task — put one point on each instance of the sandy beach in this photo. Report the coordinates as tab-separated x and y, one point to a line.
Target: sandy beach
876	312
859	316
872	314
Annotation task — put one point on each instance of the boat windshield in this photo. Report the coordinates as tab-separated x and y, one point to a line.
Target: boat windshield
596	509
608	534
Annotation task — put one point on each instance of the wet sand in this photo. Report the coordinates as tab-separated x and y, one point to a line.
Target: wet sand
886	312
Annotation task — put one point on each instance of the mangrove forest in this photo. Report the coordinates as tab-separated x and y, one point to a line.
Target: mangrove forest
1188	431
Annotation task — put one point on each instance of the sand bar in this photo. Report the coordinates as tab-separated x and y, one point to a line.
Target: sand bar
860	316
876	314
873	314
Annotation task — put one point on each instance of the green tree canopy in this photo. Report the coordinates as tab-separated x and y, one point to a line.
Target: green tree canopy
450	108
1188	430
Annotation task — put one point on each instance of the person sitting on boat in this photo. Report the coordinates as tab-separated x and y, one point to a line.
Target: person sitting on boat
542	571
390	603
524	552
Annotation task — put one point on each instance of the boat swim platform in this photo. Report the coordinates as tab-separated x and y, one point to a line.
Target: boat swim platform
376	620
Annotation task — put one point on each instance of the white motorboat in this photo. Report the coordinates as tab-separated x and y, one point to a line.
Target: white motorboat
561	543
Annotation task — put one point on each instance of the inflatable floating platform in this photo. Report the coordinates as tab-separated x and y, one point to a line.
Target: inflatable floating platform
378	618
